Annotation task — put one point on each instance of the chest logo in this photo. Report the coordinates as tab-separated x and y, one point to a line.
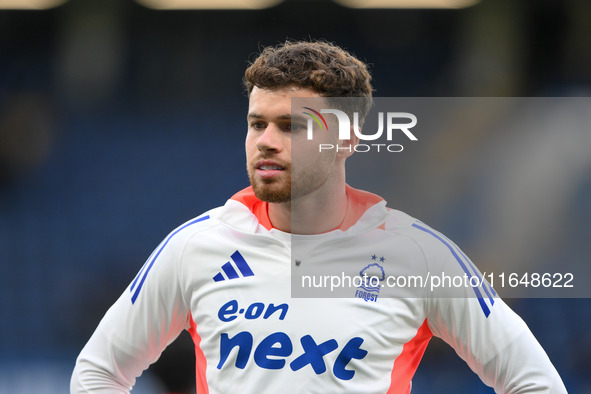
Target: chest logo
229	269
371	277
278	350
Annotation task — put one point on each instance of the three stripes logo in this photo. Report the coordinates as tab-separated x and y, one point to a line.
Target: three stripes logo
231	272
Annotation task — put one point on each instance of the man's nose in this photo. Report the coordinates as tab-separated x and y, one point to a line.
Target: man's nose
270	139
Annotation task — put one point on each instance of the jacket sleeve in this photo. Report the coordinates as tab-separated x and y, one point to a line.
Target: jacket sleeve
499	348
493	340
147	317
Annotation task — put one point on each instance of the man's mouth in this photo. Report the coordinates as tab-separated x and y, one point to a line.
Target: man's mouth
268	169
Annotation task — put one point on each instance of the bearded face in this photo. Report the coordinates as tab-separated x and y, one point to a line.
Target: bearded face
271	135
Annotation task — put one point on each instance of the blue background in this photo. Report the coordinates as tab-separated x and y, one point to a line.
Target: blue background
118	123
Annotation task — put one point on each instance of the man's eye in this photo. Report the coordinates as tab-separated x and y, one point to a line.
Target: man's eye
257	125
296	126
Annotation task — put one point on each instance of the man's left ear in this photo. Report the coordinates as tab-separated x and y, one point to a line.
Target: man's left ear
347	147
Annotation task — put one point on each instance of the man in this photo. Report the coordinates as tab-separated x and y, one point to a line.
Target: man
225	275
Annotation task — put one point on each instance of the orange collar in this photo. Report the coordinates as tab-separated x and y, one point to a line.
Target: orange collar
358	201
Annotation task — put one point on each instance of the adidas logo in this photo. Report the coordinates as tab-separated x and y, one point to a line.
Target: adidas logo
229	270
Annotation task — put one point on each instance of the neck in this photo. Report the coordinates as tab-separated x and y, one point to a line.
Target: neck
308	216
318	212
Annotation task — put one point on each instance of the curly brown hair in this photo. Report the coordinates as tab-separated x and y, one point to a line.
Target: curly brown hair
328	69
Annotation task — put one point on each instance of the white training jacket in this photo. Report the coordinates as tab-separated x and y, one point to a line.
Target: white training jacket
226	277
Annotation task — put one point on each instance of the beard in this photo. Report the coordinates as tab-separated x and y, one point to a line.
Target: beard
283	190
271	190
